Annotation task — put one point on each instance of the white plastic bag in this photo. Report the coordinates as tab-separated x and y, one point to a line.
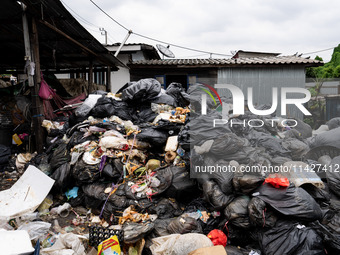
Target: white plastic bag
87	106
66	244
177	244
36	229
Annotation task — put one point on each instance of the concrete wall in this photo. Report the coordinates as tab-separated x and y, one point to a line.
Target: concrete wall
122	76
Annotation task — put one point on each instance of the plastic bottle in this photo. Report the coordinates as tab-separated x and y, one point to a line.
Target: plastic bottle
29	216
48	241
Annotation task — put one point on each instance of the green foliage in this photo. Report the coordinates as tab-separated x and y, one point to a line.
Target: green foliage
318	58
328	70
335	59
336	72
313	91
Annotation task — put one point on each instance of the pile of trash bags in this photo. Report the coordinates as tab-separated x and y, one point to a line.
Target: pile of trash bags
149	164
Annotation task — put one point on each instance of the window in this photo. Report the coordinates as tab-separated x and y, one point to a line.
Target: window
192	79
161	79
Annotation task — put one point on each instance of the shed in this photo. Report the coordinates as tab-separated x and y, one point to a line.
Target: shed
43	36
261	73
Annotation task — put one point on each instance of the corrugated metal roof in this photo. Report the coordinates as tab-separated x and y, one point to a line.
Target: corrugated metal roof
56	51
280	60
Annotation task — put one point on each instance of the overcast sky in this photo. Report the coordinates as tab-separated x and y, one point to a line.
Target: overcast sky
218	26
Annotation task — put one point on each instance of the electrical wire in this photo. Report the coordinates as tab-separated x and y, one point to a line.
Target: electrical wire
318	51
153	39
109	16
80	17
88	23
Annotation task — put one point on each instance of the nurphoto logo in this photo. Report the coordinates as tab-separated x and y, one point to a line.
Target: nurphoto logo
239	103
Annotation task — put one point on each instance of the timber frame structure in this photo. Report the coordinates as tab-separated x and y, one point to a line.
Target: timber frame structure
44	35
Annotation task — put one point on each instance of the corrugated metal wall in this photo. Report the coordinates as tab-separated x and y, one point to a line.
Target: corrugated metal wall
328	87
262	80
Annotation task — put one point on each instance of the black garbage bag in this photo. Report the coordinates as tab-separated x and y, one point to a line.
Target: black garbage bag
63	177
245	183
153	136
79	200
165	176
121	202
237	212
195	93
141	91
326	139
84	173
167	208
260	214
291	201
176	91
272	144
182	187
146	115
95	191
333	176
224	179
111	213
111	172
160	228
332	220
183	225
297	148
94	195
278	161
103	108
133	232
214	195
60	156
201	129
227	144
321	195
304	129
106	107
291	238
330	237
236	250
293	133
163	98
172	127
333	123
118	165
78	137
239	236
198	204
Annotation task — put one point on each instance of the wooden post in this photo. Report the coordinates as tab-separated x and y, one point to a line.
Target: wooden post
37	104
108	79
28	53
90	89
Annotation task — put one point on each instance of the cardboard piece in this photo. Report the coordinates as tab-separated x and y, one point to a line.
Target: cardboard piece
213	250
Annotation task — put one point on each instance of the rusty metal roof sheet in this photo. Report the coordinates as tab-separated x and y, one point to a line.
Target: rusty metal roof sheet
56	50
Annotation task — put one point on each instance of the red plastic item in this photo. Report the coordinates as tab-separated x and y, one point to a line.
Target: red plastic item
217	237
277	181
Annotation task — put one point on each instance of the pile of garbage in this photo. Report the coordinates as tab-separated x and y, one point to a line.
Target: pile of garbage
144	172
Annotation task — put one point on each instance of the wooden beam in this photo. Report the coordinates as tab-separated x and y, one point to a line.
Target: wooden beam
37	104
87	50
